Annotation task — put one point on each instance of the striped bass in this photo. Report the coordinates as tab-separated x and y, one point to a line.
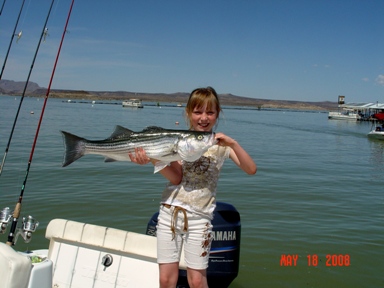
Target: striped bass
158	143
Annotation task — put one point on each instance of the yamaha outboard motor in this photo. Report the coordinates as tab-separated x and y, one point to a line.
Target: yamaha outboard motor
225	250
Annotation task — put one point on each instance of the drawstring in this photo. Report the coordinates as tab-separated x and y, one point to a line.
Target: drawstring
175	213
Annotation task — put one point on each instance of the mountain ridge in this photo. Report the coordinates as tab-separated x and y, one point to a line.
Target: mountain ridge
10	87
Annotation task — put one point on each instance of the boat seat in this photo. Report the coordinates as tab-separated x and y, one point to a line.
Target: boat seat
15	268
78	249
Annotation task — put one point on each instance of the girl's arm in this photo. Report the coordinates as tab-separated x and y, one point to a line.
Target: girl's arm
173	172
237	154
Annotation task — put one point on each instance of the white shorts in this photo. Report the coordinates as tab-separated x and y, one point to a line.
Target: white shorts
196	240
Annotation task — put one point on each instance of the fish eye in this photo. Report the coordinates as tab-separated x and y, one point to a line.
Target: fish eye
199	137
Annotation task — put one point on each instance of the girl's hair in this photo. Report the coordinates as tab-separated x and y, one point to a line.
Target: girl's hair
201	97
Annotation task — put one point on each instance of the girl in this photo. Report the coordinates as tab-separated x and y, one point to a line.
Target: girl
188	201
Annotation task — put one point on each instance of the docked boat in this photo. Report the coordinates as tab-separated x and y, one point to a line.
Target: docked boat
379	116
133	103
345	114
377	133
364	111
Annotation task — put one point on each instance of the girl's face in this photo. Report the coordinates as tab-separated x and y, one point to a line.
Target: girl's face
203	119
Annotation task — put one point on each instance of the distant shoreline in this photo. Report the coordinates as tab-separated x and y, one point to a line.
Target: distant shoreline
12	88
182	98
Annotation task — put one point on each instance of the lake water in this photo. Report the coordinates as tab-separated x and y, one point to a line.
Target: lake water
318	193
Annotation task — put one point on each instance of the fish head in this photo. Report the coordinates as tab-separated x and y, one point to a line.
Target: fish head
194	144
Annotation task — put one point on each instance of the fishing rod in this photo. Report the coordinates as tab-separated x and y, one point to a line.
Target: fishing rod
13	36
44	31
17	210
2	6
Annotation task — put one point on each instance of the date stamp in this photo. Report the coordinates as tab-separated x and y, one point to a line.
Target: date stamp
312	260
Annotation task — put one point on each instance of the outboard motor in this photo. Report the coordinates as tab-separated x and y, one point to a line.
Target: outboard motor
225	250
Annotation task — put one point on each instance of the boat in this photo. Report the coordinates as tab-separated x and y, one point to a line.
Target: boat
87	255
377	132
134	103
379	116
365	111
345	114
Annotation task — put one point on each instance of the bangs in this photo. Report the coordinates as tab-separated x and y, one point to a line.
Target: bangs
209	102
201	98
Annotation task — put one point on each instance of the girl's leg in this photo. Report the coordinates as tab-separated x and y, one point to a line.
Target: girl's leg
168	249
197	278
197	245
169	274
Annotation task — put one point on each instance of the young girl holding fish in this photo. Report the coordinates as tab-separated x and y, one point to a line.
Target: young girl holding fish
188	201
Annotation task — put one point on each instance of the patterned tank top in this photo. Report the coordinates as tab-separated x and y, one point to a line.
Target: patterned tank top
197	191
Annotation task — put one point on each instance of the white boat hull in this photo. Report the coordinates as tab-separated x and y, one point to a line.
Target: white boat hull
133	103
343	116
374	134
75	259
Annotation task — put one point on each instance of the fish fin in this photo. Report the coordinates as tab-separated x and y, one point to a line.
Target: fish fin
74	148
153	129
170	154
159	165
119	132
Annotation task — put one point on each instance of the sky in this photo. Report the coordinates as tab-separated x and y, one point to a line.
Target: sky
301	50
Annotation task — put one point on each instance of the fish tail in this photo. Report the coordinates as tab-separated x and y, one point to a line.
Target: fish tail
74	148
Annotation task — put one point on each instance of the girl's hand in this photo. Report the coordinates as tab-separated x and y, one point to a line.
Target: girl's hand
237	154
139	157
224	140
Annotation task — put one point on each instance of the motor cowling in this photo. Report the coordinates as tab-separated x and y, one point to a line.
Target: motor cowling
225	249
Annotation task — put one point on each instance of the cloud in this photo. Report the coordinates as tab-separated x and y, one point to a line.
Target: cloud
322	65
380	80
365	79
